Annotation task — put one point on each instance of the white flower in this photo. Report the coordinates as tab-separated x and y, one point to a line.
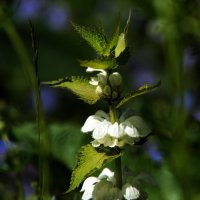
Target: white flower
126	131
90	69
88	187
101	78
90	182
130	192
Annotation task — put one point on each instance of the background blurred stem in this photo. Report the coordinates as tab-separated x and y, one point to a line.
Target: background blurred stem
170	14
32	76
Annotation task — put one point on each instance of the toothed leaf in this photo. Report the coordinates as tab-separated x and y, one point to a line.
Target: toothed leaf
79	86
99	64
94	36
142	90
89	160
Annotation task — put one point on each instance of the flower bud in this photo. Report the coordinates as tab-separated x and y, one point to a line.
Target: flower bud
115	79
114	95
102	78
107	90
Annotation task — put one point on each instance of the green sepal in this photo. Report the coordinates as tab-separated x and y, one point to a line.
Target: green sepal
94	36
99	64
142	90
89	160
79	86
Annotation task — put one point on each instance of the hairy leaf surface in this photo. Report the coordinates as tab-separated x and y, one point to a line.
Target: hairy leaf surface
99	64
89	160
94	36
79	86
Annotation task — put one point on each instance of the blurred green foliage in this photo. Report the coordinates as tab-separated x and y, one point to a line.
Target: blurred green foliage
164	38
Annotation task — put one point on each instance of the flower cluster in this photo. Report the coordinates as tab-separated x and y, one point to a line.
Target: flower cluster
107	85
104	187
126	131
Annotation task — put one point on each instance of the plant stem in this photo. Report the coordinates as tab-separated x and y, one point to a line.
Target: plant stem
118	165
118	170
42	133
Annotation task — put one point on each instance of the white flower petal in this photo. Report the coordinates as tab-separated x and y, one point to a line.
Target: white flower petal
87	195
129	129
106	174
130	192
89	69
95	143
94	81
140	124
113	130
102	114
101	130
89	182
91	123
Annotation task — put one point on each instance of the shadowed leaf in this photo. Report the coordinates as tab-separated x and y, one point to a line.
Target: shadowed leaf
142	90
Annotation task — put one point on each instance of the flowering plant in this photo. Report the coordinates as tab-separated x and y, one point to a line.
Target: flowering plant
111	131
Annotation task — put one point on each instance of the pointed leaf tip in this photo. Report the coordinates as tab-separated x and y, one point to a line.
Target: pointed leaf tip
79	86
89	160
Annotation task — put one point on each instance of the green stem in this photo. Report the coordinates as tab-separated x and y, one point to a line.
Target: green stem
42	134
118	165
118	172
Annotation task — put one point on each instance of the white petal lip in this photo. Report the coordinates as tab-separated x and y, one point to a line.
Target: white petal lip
102	114
89	69
130	192
87	195
140	124
94	81
90	124
106	173
114	130
89	182
101	130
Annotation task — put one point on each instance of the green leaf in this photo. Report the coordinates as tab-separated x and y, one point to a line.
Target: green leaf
79	86
112	42
94	36
64	139
89	160
121	45
142	90
99	64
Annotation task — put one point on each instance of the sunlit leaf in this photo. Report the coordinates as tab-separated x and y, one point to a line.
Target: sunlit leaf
79	86
112	42
89	160
99	64
94	36
121	45
142	90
